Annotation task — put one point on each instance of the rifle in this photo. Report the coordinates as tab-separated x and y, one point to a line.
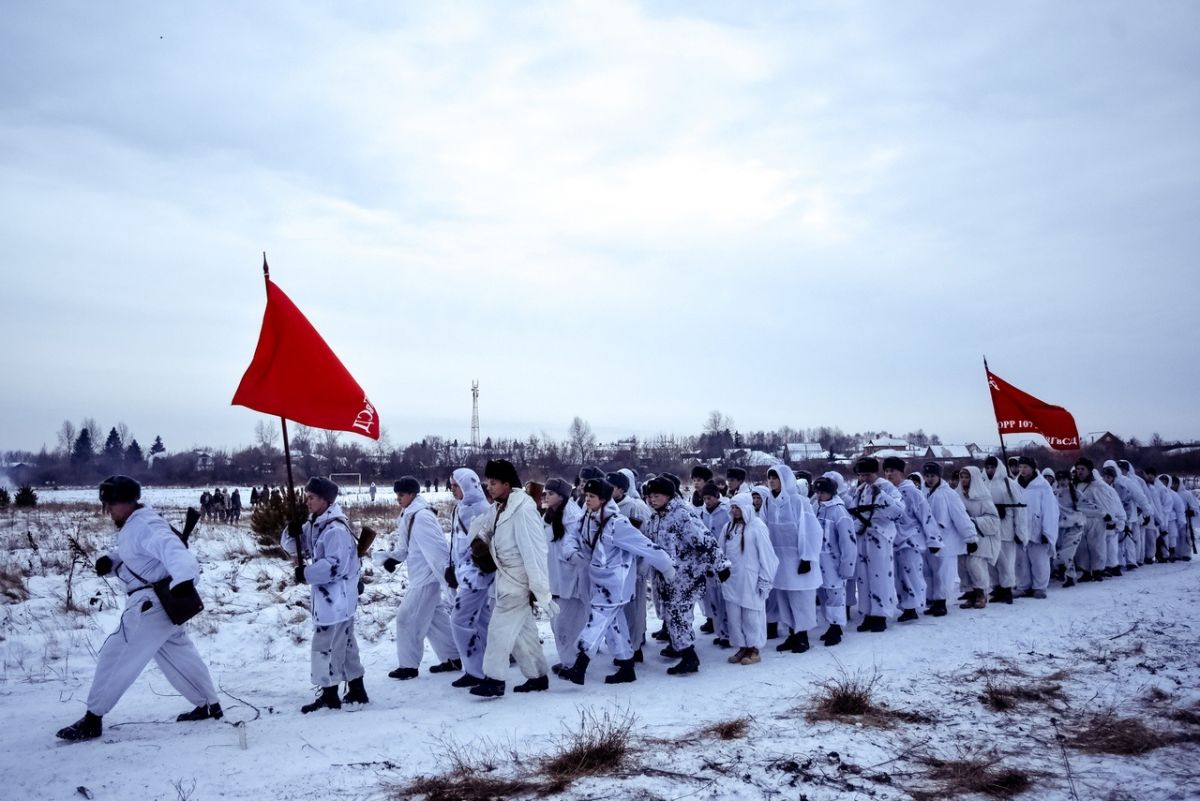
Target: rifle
860	513
189	525
365	540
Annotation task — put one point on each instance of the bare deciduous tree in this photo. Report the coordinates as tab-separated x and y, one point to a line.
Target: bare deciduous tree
66	437
266	434
581	440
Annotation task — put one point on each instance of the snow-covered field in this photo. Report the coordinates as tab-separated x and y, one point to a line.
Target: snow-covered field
1099	655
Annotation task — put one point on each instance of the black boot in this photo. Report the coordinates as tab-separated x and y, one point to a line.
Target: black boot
449	666
488	688
833	636
908	614
688	662
1068	582
1005	596
1085	577
707	627
578	671
356	692
637	655
328	699
669	652
772	631
937	608
466	680
624	673
787	644
1116	572
202	712
878	625
721	642
534	685
403	673
867	622
800	642
661	635
88	727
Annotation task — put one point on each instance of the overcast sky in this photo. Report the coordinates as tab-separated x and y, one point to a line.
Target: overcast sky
795	213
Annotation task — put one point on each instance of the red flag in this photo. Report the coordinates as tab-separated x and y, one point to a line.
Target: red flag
1018	411
295	375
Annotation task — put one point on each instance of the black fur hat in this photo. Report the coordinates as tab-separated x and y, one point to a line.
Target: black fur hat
119	489
661	485
867	464
502	470
894	463
618	480
736	472
702	472
598	487
323	488
407	485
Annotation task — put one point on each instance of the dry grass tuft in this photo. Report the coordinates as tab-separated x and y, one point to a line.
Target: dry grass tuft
466	787
1005	697
599	744
733	729
12	585
851	697
1106	732
971	775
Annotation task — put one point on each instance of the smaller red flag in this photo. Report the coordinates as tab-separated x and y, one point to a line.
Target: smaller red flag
295	375
1018	411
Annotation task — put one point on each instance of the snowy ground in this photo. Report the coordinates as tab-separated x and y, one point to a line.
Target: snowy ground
1129	648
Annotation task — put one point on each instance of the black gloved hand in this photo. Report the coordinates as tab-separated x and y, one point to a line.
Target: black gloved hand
972	547
103	565
1108	518
1110	526
1002	511
390	564
295	530
723	574
934	550
300	574
1145	520
805	566
451	579
182	588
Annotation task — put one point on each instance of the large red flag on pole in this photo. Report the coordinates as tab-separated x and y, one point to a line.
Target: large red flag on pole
1018	412
296	376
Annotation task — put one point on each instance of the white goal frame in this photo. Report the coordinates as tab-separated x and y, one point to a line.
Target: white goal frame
357	478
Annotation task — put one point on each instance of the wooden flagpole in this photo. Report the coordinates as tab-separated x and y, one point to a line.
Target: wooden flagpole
1003	451
287	450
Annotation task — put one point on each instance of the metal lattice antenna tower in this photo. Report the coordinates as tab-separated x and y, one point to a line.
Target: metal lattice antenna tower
474	414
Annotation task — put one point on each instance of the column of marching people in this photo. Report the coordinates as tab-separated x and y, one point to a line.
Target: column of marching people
762	562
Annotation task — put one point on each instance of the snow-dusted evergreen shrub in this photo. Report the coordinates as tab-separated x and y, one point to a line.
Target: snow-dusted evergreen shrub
268	520
26	497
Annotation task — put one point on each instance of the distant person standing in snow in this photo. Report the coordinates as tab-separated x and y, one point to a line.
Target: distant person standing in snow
146	552
325	539
1009	499
235	506
955	530
915	530
746	544
1033	561
839	555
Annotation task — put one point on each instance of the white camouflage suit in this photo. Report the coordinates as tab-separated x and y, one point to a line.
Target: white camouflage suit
332	574
147	547
419	541
517	542
876	532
